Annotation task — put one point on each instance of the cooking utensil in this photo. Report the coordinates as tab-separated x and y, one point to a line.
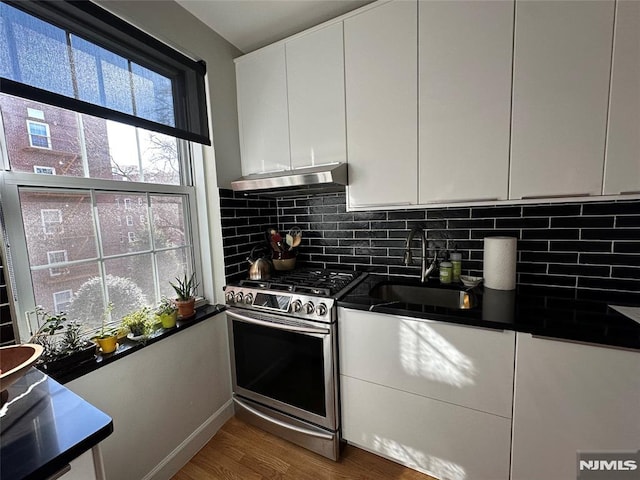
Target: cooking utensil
260	267
296	236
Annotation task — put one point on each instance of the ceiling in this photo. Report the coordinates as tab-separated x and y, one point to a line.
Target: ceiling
251	24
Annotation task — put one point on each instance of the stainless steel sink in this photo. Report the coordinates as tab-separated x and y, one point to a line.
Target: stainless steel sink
424	295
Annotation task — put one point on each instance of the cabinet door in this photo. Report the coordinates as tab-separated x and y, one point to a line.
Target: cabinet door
562	65
467	366
465	64
622	164
262	111
381	96
315	85
569	398
437	438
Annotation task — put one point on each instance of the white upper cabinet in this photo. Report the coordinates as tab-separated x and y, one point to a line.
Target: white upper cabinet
622	163
262	111
315	84
465	65
380	47
560	97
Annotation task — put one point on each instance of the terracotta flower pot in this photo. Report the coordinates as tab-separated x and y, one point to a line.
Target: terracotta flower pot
186	308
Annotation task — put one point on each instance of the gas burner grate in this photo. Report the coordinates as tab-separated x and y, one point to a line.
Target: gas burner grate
315	282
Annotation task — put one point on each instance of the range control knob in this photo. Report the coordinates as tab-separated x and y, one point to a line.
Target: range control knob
248	299
321	309
296	306
309	308
239	297
230	296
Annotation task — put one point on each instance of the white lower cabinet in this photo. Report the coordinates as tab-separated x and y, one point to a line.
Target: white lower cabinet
568	398
432	395
438	438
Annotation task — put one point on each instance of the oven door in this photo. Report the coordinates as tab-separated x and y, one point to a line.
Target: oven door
286	364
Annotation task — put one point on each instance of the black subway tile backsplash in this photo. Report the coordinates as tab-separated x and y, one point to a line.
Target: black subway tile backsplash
586	247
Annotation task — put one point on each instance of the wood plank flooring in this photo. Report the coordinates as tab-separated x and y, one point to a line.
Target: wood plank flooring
242	452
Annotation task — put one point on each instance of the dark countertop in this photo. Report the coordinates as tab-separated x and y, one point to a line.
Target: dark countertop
553	313
44	426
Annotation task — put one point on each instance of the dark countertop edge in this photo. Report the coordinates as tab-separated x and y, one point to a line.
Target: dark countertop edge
129	346
54	466
355	299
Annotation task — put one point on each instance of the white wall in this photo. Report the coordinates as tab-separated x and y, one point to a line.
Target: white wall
166	401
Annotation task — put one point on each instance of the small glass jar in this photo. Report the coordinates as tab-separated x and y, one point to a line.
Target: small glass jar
456	261
446	272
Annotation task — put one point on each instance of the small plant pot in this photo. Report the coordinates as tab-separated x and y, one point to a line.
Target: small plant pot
186	308
168	320
108	344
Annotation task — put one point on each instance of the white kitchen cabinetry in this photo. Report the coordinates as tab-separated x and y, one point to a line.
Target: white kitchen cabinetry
465	65
291	103
315	87
622	163
560	97
431	395
568	398
262	111
380	46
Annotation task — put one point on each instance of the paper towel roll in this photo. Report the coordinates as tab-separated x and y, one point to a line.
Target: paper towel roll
500	262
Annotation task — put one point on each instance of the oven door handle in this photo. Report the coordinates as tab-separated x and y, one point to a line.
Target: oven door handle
295	428
281	326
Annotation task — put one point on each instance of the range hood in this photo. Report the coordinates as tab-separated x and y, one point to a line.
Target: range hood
321	179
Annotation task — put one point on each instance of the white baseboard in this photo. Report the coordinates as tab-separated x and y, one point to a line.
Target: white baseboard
181	455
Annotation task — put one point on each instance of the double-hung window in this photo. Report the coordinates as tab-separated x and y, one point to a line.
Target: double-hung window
120	130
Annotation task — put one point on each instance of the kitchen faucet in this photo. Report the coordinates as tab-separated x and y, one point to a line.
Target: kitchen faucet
424	269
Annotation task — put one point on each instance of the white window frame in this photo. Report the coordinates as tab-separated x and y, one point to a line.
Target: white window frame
56	272
56	303
131	236
35	113
30	135
46	223
129	220
39	169
127	204
143	219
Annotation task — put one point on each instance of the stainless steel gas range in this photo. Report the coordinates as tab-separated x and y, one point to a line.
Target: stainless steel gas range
283	344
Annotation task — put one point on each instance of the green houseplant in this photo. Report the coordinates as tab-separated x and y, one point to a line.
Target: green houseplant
167	313
139	323
107	337
185	289
64	342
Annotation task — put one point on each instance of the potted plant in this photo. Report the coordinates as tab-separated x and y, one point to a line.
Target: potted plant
107	337
65	344
167	312
139	323
186	291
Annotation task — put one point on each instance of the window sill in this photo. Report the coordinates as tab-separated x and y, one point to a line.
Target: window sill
127	346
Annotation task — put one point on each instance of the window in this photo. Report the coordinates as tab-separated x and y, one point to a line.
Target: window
39	136
33	113
44	170
57	256
63	208
62	300
51	220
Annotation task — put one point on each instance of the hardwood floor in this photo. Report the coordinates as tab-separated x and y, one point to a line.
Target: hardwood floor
242	452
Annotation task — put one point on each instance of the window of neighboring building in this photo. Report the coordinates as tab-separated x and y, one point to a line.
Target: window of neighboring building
132	237
39	135
51	220
62	300
44	170
127	204
56	256
33	113
129	221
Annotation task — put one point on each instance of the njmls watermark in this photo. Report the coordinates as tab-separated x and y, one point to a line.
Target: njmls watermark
608	465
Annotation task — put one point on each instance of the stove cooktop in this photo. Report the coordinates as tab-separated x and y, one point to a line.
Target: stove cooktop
323	283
